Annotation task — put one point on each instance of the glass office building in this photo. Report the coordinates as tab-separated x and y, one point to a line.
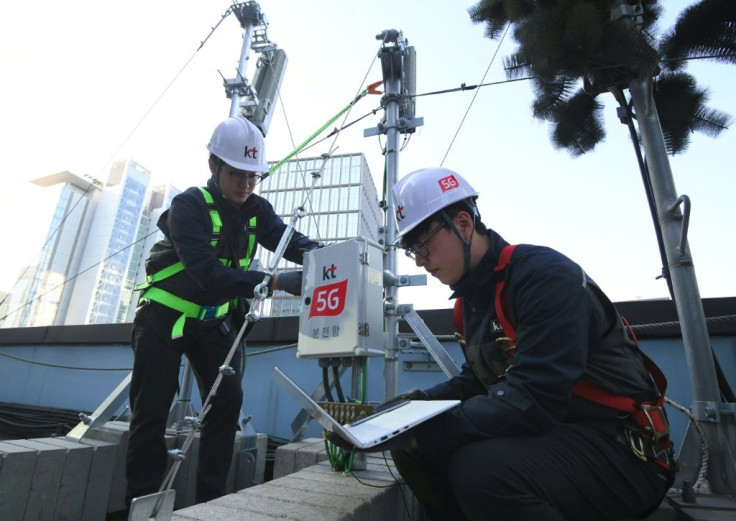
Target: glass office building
99	291
42	294
342	205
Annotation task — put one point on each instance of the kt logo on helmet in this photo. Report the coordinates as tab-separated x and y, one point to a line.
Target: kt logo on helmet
251	152
400	213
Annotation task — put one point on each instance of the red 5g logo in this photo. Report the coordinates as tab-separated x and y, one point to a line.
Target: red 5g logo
329	300
448	183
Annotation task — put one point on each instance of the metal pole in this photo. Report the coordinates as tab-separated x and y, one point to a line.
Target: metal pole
706	395
391	59
242	63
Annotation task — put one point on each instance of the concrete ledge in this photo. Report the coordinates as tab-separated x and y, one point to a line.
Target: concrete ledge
53	479
298	455
315	492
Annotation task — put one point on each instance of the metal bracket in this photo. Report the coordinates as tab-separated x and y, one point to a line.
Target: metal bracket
389	279
685	202
447	364
103	413
402	125
714	412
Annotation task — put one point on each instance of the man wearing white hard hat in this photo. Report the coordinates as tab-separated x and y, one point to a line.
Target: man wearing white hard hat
193	303
561	415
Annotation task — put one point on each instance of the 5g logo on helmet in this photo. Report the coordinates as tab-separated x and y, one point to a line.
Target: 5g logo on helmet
448	183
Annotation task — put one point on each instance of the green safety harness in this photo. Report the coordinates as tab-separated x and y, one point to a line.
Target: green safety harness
186	308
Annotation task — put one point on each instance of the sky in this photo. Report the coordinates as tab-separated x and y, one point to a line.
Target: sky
86	82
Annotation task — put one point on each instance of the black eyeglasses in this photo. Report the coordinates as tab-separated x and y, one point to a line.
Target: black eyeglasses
249	177
420	247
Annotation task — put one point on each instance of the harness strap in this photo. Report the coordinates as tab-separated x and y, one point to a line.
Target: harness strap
501	297
186	308
649	416
160	275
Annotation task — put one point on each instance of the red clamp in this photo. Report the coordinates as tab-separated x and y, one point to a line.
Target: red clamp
373	87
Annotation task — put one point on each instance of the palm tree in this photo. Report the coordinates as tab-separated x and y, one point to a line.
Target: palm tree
576	50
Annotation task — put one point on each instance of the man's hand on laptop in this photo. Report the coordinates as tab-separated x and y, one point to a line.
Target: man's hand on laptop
403	441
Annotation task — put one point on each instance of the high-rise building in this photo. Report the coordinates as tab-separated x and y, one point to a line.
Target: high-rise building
41	296
148	235
100	287
343	205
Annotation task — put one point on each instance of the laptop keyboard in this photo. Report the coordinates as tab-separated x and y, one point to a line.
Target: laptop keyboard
380	409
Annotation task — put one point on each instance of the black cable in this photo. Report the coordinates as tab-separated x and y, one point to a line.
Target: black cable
644	170
336	378
28	421
326	384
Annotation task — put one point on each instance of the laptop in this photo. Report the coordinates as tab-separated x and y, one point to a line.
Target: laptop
374	429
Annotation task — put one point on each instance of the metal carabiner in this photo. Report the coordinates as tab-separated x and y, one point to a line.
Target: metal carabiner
636	444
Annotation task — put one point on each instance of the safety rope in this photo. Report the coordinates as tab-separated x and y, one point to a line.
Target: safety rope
371	89
702	480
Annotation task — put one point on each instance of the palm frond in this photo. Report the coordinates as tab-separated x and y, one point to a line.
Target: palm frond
651	13
631	52
517	66
707	28
676	98
577	124
550	94
682	110
493	14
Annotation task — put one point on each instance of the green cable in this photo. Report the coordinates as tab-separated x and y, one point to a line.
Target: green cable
336	455
315	134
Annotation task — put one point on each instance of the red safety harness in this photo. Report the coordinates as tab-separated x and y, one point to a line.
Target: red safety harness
650	418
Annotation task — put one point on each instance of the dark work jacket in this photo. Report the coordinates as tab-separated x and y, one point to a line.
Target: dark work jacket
187	227
567	329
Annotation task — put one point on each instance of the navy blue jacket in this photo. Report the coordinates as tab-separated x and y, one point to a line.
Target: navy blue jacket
567	329
187	227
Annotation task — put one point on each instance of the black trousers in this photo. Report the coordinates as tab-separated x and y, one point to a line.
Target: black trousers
574	473
153	387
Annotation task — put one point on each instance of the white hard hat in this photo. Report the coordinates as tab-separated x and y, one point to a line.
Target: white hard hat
240	144
425	192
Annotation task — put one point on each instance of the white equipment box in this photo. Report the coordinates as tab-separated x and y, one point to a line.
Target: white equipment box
342	301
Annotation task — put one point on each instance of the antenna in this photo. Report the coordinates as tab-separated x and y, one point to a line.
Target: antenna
255	101
269	74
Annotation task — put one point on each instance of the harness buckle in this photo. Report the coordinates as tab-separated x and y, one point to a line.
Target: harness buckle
660	428
208	312
507	346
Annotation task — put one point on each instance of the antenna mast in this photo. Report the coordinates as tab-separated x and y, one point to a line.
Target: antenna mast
254	101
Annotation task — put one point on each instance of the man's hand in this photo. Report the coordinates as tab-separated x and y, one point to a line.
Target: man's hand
401	442
289	281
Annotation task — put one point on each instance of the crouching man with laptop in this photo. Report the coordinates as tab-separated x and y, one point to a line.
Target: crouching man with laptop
549	425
